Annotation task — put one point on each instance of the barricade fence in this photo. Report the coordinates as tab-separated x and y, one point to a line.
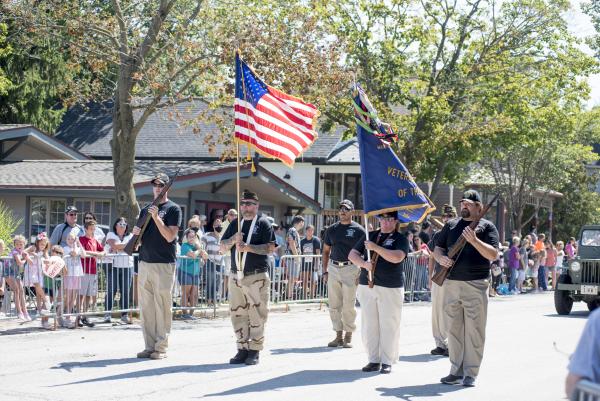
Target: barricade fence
586	391
107	286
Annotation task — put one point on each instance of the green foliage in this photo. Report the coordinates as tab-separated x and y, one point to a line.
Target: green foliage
8	225
5	51
580	205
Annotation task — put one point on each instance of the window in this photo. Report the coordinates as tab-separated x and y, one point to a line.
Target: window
353	190
47	213
332	190
100	208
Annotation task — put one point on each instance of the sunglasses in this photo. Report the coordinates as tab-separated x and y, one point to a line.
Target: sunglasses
71	214
246	203
344	209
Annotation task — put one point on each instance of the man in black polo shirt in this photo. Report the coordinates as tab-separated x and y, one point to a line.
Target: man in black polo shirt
249	296
341	274
466	288
157	270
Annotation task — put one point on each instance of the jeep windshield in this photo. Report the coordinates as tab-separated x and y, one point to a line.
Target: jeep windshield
590	238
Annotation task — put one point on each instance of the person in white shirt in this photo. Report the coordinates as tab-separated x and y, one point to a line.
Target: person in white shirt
119	274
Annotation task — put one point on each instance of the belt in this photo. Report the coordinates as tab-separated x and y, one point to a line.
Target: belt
340	264
250	272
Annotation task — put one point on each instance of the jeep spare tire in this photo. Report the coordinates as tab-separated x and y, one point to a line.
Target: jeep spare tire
562	298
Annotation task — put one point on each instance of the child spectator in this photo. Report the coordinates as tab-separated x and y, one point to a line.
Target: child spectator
310	245
550	264
19	258
119	275
188	272
52	286
89	281
73	253
34	276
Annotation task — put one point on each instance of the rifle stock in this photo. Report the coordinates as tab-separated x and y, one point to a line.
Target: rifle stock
144	218
441	274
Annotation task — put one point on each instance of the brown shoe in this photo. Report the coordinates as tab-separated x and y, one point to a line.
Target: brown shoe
347	340
144	354
158	355
338	341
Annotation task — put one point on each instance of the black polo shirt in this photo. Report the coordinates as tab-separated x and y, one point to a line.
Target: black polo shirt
342	238
263	234
155	248
470	265
387	274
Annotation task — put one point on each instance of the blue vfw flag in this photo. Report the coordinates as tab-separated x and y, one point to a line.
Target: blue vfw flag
387	185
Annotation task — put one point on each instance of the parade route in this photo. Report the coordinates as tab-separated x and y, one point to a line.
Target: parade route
525	358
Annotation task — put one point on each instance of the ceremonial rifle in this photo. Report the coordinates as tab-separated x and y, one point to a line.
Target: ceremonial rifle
456	249
144	219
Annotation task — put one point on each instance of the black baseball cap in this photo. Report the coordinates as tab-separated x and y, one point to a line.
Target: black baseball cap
161	177
71	209
393	214
471	195
347	204
249	195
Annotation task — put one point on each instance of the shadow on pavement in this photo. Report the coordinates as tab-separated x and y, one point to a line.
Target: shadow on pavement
68	366
23	330
312	350
580	314
167	370
420	358
299	379
424	390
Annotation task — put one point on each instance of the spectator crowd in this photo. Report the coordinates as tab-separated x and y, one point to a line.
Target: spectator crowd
92	256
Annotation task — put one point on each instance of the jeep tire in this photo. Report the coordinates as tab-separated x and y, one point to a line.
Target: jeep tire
562	298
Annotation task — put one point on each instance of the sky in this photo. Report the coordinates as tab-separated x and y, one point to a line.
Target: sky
581	26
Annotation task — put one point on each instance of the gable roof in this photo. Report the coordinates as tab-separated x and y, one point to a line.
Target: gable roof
163	137
27	134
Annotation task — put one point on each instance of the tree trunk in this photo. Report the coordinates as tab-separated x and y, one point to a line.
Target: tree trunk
123	153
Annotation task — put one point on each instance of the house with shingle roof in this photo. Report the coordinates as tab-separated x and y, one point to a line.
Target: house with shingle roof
40	175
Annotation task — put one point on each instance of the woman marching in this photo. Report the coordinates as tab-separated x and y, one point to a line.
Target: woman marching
381	305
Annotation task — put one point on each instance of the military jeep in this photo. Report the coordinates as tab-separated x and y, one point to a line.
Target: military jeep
580	280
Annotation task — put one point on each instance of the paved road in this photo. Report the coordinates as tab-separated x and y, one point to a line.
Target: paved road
525	359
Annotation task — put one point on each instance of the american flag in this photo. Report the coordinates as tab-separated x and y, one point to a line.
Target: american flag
277	125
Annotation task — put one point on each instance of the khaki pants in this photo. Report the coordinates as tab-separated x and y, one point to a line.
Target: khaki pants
465	308
341	286
249	305
438	324
155	282
381	310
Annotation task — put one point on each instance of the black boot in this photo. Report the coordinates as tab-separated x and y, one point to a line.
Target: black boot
252	358
240	357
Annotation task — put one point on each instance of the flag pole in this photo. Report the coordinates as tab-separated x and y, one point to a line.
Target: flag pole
238	255
240	271
366	218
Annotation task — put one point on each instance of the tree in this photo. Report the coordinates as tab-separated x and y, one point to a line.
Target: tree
8	224
150	55
5	51
441	64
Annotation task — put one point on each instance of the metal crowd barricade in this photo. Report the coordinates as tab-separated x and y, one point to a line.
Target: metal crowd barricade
298	278
586	391
416	279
